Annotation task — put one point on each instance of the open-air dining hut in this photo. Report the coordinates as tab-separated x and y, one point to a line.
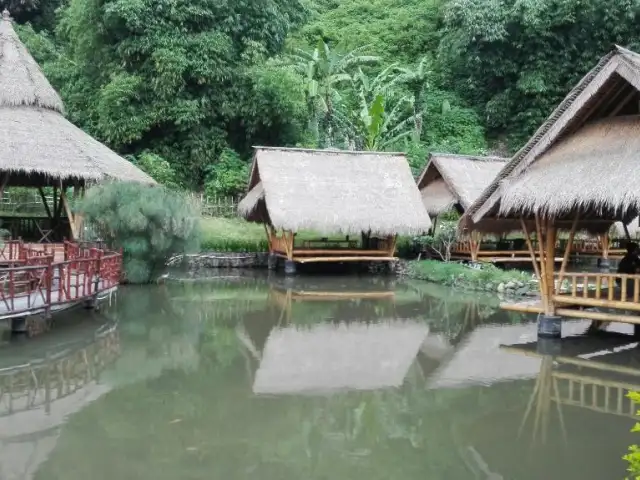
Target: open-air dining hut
577	172
369	195
40	148
453	182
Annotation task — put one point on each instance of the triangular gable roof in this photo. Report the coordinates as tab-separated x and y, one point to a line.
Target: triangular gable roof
456	179
588	97
334	191
39	146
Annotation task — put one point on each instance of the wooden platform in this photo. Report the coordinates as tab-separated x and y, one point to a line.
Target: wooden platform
52	277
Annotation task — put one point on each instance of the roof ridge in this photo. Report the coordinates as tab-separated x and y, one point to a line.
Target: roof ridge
479	206
329	150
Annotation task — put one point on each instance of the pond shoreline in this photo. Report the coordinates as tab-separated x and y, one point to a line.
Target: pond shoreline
490	279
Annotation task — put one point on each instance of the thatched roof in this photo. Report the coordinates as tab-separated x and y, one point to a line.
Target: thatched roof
331	191
583	157
456	180
327	357
39	146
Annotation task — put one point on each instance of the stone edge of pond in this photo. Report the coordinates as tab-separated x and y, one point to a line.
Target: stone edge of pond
203	260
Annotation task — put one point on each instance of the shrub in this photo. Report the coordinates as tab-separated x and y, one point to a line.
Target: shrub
228	176
150	223
158	168
633	457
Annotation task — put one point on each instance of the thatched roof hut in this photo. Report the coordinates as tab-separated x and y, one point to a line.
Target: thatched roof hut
582	159
450	181
39	146
332	191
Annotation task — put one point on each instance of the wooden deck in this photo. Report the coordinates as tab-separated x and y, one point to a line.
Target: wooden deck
47	278
607	297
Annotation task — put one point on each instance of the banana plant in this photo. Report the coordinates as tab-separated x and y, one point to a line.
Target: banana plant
381	128
325	72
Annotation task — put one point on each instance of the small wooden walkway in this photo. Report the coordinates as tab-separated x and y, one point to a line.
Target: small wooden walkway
45	278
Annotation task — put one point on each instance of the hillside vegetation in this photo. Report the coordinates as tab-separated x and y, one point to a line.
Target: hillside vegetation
185	88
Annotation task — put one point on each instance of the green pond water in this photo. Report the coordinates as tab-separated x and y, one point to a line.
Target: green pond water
312	378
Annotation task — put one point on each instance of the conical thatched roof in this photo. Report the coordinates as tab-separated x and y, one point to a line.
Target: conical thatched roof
583	158
331	191
39	146
456	180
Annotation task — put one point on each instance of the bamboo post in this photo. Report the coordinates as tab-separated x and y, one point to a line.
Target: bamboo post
78	192
550	235
531	250
67	208
567	252
269	233
605	245
544	291
44	202
393	240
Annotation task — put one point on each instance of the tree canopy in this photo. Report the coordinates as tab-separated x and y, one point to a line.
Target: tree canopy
195	84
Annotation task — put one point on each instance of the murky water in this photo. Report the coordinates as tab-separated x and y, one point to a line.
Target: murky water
317	378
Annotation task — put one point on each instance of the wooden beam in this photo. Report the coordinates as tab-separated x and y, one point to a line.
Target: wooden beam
544	292
623	103
341	259
67	208
3	184
45	203
329	251
567	252
550	238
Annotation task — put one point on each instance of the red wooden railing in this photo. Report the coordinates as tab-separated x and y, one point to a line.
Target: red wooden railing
38	277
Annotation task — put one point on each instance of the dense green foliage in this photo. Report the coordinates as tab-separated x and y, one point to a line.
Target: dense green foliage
633	457
149	223
188	87
459	275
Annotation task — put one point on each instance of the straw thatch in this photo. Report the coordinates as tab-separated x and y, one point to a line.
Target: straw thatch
332	191
39	146
580	159
456	180
326	357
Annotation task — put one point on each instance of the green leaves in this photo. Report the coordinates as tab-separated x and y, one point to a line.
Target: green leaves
149	223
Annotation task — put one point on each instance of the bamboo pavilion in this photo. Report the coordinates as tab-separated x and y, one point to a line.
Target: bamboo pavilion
342	194
453	182
41	148
577	173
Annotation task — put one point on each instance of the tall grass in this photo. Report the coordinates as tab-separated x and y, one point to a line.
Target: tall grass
237	235
232	235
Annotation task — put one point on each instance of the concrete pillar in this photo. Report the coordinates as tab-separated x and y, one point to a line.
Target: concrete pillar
91	303
272	261
549	346
549	326
19	325
289	267
604	265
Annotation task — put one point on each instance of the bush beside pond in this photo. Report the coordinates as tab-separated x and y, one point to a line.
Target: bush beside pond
489	278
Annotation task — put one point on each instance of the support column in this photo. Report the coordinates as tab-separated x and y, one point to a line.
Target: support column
603	263
289	264
19	326
272	260
549	324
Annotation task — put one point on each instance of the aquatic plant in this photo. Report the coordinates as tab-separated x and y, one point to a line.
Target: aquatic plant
633	457
150	224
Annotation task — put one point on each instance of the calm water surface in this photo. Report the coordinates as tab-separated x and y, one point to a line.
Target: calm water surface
315	378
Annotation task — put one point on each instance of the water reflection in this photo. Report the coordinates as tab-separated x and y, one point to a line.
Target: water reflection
337	378
40	386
